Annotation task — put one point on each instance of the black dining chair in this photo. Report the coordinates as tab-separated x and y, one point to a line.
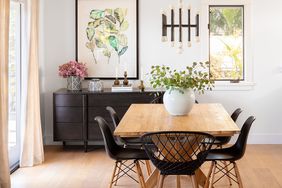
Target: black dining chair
133	142
177	153
223	158
158	99
220	141
122	156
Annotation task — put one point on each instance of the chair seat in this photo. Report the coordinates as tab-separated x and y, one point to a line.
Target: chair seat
222	140
226	154
133	140
131	154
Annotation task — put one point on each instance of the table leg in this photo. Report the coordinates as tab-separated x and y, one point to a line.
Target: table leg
201	177
178	182
152	180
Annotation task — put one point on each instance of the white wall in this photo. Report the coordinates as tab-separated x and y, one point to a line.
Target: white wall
58	46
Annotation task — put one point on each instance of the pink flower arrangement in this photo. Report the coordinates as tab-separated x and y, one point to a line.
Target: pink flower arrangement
73	68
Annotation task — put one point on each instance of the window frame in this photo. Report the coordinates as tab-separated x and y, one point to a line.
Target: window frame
15	151
248	83
243	28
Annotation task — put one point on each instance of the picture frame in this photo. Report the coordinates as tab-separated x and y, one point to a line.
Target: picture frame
107	38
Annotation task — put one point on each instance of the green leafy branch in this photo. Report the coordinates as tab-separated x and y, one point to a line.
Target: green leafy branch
194	77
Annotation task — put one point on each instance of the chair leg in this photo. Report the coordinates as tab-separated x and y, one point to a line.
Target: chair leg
227	172
238	175
194	181
113	175
161	181
148	166
209	175
118	172
212	175
178	184
140	175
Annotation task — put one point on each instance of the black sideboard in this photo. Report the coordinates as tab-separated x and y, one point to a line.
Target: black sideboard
74	112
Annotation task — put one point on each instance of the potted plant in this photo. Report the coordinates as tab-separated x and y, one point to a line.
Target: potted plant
180	85
74	72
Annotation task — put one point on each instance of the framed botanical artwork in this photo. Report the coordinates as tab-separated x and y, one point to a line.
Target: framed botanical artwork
107	37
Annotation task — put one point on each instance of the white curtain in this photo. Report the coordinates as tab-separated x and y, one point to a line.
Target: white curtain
4	53
32	152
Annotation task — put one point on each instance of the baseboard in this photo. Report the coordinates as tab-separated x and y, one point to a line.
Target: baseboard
253	139
48	140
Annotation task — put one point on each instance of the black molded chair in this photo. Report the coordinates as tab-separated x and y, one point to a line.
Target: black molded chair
121	156
128	142
221	157
158	99
219	141
177	153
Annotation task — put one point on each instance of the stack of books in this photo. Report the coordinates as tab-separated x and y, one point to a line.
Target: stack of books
120	88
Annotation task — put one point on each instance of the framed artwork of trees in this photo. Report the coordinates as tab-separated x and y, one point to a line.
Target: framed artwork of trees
107	37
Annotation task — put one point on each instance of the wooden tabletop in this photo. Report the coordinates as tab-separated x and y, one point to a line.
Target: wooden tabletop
143	118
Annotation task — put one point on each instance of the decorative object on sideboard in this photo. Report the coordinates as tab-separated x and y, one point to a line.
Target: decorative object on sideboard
116	82
125	81
180	25
122	88
179	97
95	85
74	72
107	36
73	83
141	86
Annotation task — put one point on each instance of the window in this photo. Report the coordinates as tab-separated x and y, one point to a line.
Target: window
226	42
14	82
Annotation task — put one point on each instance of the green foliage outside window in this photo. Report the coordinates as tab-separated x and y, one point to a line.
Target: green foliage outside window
226	43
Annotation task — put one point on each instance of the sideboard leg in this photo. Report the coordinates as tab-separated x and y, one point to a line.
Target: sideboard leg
64	144
85	146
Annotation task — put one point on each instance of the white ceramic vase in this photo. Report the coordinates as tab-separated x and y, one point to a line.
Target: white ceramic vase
177	103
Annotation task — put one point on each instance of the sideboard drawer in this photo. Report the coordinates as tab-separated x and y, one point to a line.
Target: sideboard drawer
69	114
68	131
119	99
94	132
68	100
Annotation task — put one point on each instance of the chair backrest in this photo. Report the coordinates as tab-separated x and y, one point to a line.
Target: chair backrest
177	152
109	141
157	100
113	115
240	146
115	120
236	114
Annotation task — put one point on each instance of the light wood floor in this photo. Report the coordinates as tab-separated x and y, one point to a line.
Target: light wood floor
72	168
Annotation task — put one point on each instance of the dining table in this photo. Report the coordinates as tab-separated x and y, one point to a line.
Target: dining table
211	118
